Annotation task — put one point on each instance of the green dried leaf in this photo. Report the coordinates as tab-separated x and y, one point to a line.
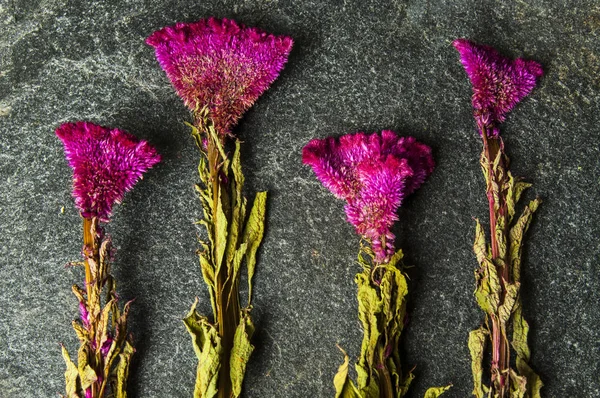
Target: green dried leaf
238	204
71	375
521	347
435	392
406	384
509	188
501	239
82	360
516	237
369	306
534	382
520	332
123	370
88	376
79	293
510	297
221	230
253	234
120	326
208	349
479	246
80	331
344	387
518	385
240	353
393	290
476	347
520	187
208	273
396	258
234	269
488	288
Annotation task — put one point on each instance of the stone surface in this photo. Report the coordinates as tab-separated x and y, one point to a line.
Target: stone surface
364	65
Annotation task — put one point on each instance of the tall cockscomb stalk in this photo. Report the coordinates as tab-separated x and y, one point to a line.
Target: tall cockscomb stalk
373	174
106	163
220	68
499	83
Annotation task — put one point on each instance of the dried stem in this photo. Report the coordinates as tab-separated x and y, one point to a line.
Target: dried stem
227	316
500	348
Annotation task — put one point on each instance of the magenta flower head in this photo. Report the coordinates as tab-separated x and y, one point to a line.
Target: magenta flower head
499	83
220	65
373	173
106	163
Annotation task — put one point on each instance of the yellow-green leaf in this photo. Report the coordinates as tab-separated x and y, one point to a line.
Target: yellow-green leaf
88	376
396	258
479	246
344	388
520	187
518	385
221	229
488	288
520	332
405	385
369	306
476	347
71	375
516	237
240	353
80	331
510	297
534	382
435	392
208	273
253	234
123	369
233	272
208	349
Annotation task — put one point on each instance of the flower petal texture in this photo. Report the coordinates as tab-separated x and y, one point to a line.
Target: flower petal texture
220	64
373	173
106	163
499	83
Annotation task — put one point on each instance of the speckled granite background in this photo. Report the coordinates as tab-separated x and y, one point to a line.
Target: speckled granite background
364	65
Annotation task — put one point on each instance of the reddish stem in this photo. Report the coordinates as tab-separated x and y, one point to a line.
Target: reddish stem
500	350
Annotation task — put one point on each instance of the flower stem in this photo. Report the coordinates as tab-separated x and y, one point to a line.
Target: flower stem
88	243
90	246
500	349
227	315
385	382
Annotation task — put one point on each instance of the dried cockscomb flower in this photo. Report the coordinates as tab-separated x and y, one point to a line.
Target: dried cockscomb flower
220	65
499	83
373	173
106	163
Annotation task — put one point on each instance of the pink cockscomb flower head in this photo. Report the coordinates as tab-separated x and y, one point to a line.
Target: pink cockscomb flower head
220	65
373	173
499	83
106	163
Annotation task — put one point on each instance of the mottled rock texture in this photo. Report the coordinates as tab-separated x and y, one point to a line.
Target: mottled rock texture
357	65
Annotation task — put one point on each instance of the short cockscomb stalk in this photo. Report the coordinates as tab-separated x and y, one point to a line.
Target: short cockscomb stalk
220	68
106	163
499	83
373	174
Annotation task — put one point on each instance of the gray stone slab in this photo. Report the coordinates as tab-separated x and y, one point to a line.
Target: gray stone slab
365	65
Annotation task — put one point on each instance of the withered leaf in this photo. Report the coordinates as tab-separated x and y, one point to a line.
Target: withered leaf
240	353
476	347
